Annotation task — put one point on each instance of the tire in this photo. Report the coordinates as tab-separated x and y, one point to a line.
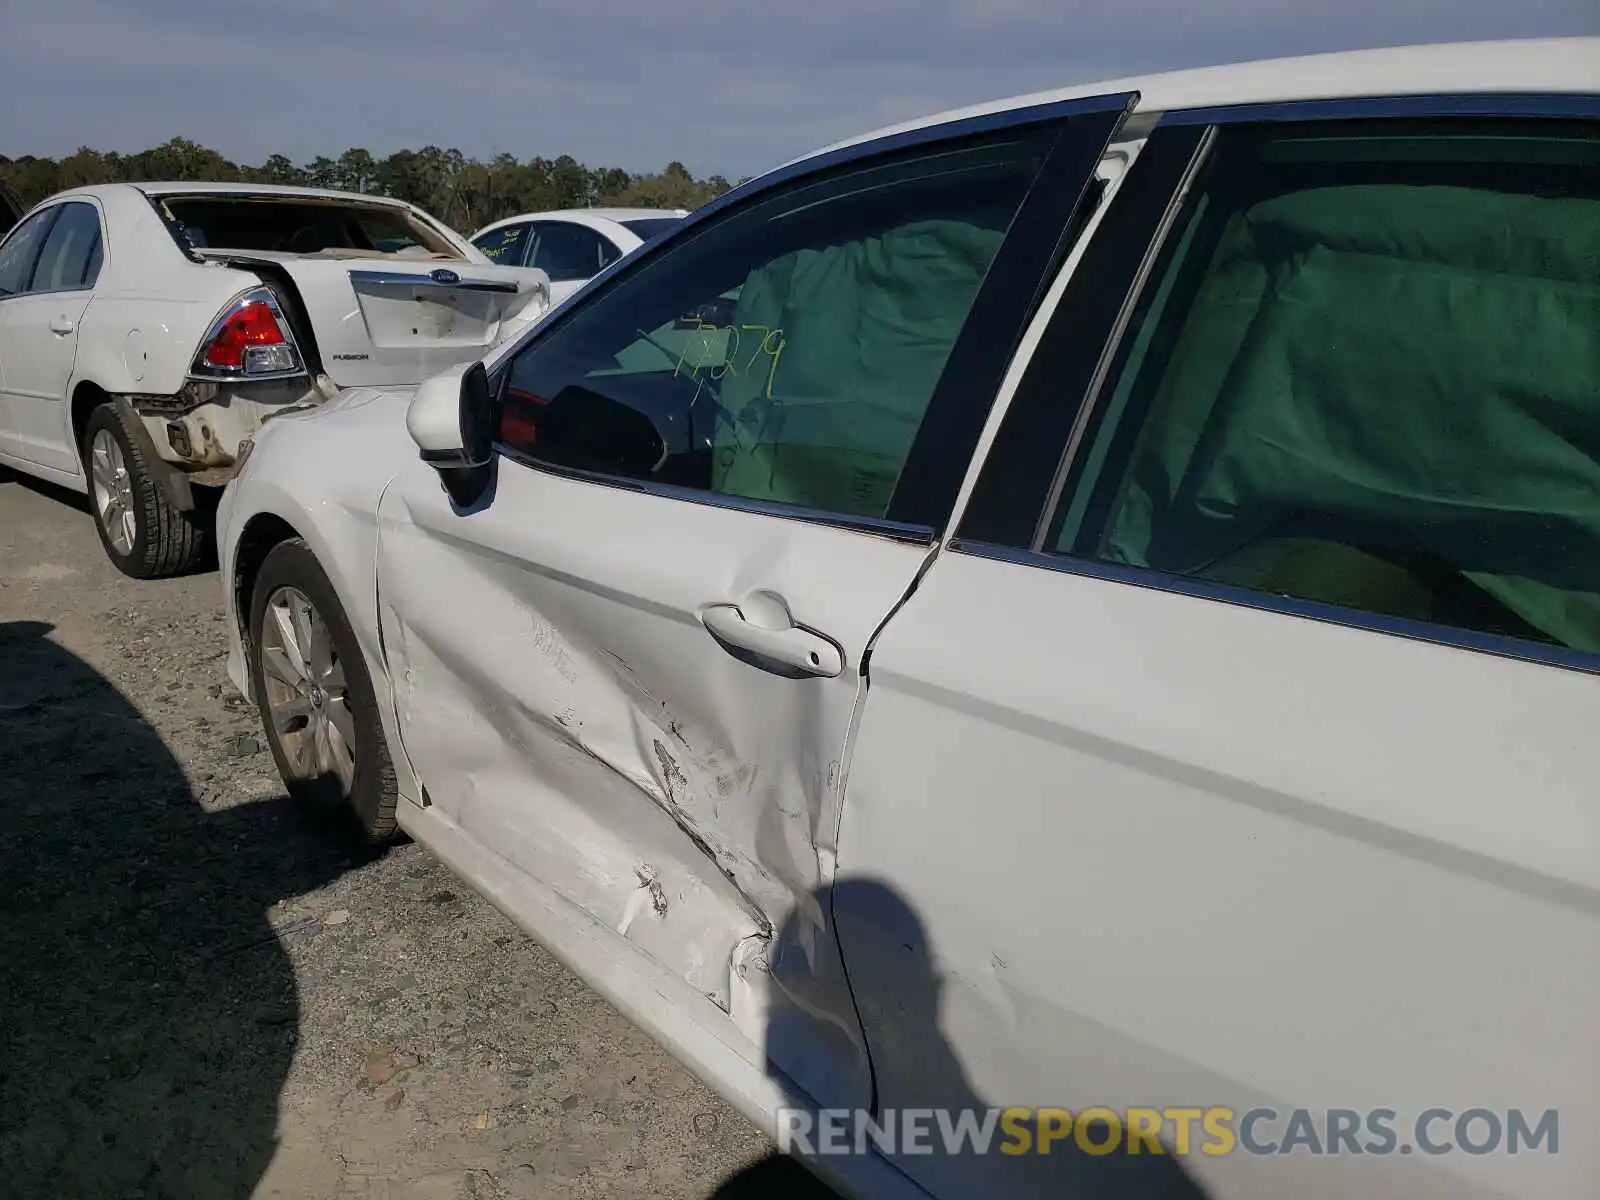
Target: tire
144	534
353	794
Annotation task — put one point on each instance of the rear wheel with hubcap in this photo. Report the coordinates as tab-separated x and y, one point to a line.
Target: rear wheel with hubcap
113	492
144	534
316	698
307	695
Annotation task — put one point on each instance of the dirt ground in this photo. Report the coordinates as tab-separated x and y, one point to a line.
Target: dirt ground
204	998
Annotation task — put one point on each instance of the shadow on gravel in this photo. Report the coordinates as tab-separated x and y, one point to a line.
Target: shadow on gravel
50	491
774	1177
148	1010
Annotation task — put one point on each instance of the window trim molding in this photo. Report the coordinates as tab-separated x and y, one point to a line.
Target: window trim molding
528	241
1460	105
1454	637
1135	218
1023	117
896	531
764	187
1143	278
1049	224
1488	106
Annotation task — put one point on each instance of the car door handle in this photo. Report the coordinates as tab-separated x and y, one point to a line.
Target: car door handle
61	325
800	650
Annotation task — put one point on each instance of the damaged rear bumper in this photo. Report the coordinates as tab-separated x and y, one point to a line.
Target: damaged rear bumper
198	432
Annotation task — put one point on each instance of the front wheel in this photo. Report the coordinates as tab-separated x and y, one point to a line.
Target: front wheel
316	698
144	534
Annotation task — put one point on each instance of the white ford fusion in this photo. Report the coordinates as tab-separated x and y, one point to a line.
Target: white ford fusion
1090	602
147	329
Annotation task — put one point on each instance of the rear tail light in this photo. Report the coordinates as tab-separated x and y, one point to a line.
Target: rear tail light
249	340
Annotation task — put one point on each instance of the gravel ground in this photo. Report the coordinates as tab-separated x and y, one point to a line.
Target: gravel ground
203	998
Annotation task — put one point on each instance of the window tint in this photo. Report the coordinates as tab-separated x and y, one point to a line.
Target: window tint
787	352
609	252
646	228
1367	373
505	245
567	252
69	250
18	252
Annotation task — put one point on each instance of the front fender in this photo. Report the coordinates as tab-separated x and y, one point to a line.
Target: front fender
297	482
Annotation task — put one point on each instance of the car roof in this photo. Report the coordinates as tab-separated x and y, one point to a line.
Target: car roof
632	214
1550	65
588	216
194	187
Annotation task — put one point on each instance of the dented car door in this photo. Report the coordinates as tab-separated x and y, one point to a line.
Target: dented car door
632	670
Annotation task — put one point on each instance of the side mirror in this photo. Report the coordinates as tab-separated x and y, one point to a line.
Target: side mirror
451	419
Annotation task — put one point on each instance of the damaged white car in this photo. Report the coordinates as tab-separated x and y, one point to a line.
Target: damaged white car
147	329
1088	602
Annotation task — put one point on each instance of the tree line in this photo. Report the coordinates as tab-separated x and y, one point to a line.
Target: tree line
465	193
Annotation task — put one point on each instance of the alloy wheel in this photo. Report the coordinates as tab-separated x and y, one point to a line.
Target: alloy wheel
306	697
113	491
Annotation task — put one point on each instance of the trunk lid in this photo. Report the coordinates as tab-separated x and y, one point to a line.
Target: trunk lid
387	320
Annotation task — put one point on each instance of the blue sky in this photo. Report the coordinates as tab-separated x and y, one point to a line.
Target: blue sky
724	87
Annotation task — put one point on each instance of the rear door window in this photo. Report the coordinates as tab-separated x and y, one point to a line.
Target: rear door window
1367	374
20	251
567	252
70	251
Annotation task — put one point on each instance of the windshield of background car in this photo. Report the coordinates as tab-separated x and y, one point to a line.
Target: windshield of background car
300	225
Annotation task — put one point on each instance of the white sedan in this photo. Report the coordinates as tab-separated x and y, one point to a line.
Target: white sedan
147	329
572	245
1090	602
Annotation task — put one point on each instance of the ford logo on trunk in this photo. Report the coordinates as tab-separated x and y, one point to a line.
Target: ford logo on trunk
444	276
